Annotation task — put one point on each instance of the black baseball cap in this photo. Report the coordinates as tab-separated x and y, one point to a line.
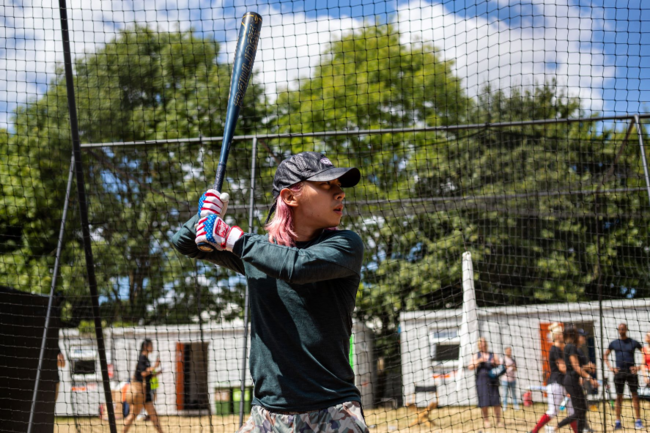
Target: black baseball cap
311	166
583	332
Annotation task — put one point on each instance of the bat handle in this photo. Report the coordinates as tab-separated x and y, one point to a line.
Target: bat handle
221	174
218	184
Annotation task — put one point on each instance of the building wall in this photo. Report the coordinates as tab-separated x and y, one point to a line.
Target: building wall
515	327
224	364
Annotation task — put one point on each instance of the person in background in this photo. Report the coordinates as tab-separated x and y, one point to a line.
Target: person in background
60	363
154	381
509	381
153	385
488	392
646	359
575	362
141	385
555	384
625	372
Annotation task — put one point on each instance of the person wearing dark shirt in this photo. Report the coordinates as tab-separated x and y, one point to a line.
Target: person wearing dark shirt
303	277
141	388
625	372
488	391
555	384
575	362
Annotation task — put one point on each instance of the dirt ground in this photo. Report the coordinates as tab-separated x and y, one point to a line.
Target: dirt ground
447	419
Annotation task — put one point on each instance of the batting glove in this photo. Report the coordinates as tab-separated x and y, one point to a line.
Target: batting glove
215	232
213	202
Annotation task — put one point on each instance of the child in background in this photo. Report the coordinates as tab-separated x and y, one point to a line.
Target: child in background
509	379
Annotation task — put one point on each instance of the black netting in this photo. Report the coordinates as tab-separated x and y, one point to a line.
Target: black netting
504	195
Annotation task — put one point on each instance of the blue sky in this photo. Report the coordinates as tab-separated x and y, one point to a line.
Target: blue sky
598	50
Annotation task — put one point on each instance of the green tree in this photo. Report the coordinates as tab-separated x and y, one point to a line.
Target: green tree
143	85
505	194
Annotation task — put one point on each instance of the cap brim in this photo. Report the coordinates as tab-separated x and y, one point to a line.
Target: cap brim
349	177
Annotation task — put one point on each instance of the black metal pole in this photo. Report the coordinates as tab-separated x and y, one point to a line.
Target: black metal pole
57	261
251	219
83	213
602	334
365	131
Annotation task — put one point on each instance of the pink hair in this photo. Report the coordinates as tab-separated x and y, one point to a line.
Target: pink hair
280	228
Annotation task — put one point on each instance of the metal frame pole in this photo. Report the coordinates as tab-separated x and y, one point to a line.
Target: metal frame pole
447	128
251	218
57	261
83	213
639	131
199	311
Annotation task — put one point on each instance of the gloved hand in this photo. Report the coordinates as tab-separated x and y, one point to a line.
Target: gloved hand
213	202
214	231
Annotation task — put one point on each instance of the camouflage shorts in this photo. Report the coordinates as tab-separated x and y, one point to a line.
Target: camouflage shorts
342	418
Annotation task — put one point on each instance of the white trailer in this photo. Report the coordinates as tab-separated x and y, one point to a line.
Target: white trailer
198	369
431	343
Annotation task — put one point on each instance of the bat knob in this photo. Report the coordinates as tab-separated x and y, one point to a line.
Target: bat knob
206	248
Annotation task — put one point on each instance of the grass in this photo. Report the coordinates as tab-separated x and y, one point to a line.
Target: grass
446	419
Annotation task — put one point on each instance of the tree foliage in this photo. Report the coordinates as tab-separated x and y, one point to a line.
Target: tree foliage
143	85
508	195
521	199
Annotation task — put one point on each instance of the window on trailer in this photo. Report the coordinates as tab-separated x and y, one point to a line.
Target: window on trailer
444	345
81	366
446	352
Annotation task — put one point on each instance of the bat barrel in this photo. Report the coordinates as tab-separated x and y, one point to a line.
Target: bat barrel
249	35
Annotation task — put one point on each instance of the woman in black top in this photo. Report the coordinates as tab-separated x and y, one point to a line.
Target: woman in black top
487	390
141	387
576	362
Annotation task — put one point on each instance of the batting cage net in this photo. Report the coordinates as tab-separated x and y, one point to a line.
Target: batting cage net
503	208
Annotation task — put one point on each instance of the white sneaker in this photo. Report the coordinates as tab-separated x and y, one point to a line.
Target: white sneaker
140	417
550	429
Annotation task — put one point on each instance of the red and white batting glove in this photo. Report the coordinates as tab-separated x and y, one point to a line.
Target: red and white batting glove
213	202
214	231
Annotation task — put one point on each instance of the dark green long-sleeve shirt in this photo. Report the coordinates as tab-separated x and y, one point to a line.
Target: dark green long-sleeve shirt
301	299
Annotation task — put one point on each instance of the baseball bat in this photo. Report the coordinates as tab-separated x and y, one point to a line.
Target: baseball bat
242	69
249	36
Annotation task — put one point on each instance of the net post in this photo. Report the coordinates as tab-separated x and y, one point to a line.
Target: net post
639	131
251	217
83	212
602	335
57	262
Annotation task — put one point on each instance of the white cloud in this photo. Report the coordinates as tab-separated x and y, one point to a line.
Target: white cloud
292	45
553	44
30	41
